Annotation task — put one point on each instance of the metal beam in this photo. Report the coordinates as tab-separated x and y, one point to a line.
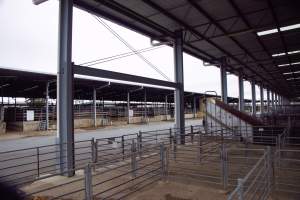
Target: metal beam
241	94
210	18
198	34
179	91
245	20
88	71
65	127
282	39
253	98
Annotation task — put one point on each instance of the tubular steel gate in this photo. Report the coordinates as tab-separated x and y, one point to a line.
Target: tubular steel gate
258	181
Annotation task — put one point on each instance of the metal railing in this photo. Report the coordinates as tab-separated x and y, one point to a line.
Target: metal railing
131	154
258	181
30	164
287	171
116	180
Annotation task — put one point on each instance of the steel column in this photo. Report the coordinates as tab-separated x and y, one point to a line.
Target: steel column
145	105
95	107
65	126
253	98
241	94
166	106
261	99
223	83
47	105
194	106
128	107
276	100
179	91
268	100
272	101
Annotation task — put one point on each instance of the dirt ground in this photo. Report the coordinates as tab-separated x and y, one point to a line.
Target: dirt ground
171	190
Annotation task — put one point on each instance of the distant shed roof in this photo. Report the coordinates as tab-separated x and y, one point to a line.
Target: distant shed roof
20	83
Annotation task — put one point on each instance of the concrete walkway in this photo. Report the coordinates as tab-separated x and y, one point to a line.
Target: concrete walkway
15	142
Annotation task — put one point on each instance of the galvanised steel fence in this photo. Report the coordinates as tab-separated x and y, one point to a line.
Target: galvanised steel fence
258	181
200	151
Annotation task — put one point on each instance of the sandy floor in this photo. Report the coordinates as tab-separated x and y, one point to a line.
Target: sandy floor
171	190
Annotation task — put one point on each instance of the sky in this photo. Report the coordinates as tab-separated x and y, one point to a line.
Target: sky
29	41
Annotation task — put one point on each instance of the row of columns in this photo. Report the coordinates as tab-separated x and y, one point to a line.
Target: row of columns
275	101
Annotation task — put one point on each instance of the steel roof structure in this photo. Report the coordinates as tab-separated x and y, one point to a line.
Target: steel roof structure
227	32
19	83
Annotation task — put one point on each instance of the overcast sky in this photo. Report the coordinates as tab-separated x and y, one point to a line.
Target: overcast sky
29	39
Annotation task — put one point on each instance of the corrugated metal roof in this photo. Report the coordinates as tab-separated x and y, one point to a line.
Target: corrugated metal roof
215	29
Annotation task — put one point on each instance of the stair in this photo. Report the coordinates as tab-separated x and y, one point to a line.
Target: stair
229	118
243	116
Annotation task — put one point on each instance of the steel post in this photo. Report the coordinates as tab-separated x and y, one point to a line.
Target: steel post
47	106
253	98
95	107
241	93
133	159
166	106
128	107
179	92
223	83
145	105
194	106
261	100
163	160
88	183
240	189
268	100
65	126
272	101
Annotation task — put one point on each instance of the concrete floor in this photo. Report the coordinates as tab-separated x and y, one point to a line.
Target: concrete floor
22	141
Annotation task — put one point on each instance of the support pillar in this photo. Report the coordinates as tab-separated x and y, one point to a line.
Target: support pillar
276	100
47	106
65	124
261	100
268	100
194	106
241	94
145	105
166	106
223	83
253	98
102	104
272	101
95	107
179	92
128	107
